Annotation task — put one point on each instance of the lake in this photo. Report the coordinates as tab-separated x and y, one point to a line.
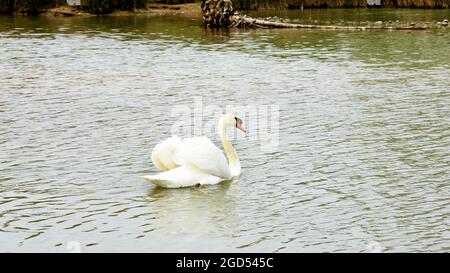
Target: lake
361	155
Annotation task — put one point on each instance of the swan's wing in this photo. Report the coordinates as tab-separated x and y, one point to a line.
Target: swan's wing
201	153
164	153
183	176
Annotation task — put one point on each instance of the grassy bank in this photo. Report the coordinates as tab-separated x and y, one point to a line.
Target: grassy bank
108	6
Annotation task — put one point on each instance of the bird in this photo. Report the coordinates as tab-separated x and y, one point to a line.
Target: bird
196	161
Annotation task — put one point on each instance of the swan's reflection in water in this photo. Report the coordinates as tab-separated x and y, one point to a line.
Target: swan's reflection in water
204	211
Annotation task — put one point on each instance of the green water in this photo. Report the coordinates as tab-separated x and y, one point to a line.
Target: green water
363	145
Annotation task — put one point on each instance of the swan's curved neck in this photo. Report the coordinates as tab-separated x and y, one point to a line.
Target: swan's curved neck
233	160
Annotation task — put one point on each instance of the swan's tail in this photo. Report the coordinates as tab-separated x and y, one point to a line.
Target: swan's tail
174	178
158	181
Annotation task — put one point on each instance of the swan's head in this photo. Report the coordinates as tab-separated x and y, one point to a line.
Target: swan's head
230	119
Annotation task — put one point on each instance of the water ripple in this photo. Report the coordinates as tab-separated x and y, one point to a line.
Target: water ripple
363	148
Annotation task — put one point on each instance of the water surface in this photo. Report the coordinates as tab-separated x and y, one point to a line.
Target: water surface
363	152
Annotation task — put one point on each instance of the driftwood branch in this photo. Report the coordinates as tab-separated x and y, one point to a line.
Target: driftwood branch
243	21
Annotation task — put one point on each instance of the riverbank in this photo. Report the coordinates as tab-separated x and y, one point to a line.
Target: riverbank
191	9
149	9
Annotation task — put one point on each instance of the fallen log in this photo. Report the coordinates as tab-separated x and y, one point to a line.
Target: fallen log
243	21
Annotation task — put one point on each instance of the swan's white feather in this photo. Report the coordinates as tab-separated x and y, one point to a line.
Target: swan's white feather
192	161
201	153
183	176
164	153
188	162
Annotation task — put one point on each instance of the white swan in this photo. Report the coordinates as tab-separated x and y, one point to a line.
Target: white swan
196	161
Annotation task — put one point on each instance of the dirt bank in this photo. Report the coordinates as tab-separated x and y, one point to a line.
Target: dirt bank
151	9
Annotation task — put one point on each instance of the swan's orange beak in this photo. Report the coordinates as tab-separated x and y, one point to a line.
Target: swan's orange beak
240	126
